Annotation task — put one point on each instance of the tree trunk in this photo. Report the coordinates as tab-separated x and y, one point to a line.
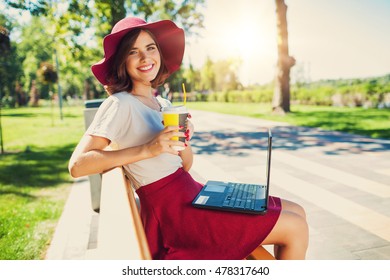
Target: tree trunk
118	11
34	95
281	98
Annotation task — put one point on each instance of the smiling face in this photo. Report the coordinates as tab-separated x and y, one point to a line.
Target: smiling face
143	61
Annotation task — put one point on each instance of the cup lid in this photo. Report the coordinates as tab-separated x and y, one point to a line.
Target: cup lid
178	109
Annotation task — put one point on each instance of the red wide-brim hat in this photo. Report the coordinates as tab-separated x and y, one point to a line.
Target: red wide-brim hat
169	37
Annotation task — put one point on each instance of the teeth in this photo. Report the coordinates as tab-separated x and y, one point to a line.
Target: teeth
146	68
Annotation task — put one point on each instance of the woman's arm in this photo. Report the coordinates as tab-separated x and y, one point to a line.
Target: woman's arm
90	157
187	157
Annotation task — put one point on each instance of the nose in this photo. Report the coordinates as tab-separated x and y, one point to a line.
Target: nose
142	55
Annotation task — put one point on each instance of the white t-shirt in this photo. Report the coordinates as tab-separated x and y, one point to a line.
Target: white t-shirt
127	122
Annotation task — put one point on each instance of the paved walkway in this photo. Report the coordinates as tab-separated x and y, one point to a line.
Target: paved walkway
342	180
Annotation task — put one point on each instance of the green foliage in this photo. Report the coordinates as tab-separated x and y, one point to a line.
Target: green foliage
259	94
191	78
183	12
368	92
312	95
47	73
35	50
5	45
10	63
221	75
75	30
207	76
36	8
214	85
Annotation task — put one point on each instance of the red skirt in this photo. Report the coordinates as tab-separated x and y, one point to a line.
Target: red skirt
177	230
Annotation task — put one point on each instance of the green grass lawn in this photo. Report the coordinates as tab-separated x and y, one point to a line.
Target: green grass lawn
34	179
369	122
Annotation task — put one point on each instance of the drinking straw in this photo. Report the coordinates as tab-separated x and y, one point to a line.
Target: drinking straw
184	94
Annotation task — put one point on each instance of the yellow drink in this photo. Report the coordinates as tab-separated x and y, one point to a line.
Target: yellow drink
176	116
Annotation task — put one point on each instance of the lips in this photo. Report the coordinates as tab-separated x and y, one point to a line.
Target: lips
146	68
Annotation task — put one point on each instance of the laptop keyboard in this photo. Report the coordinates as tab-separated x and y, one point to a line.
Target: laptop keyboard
243	196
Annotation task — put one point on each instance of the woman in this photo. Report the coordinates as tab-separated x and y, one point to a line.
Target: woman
139	56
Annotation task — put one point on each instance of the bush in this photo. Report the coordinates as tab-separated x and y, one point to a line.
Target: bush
8	102
243	96
351	93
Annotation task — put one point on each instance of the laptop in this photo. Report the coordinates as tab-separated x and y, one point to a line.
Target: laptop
237	197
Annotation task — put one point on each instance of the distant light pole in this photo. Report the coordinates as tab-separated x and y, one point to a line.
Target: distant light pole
58	84
5	47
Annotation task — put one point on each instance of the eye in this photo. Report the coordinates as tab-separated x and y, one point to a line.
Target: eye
151	48
133	52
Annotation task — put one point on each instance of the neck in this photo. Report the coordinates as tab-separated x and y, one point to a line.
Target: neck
142	90
145	95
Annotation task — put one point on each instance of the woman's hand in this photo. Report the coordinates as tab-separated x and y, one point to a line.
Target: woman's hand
190	129
163	142
187	155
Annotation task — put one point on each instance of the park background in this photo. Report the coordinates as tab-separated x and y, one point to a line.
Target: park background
340	81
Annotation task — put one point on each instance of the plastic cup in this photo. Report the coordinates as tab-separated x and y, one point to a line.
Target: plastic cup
176	116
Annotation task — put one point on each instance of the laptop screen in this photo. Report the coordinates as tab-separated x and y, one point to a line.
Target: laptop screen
268	169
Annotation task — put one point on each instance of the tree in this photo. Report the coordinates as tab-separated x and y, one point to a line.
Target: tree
220	75
36	8
67	22
35	47
281	98
56	25
184	12
4	48
47	75
108	12
10	68
192	78
207	76
225	73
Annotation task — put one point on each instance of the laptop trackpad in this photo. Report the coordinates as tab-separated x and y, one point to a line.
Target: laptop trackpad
215	188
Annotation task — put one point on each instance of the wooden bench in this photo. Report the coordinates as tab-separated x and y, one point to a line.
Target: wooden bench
121	234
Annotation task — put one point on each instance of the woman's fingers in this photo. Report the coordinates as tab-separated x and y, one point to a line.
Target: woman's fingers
190	128
171	128
165	140
172	143
172	131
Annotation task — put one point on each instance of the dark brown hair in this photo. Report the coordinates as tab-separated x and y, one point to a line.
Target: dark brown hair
117	77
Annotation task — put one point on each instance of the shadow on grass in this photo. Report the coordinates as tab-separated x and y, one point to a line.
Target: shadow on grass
38	168
20	194
285	138
23	115
47	113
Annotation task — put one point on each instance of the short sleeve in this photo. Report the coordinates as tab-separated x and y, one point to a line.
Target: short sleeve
164	102
110	119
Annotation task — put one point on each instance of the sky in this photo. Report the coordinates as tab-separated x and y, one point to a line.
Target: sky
330	39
